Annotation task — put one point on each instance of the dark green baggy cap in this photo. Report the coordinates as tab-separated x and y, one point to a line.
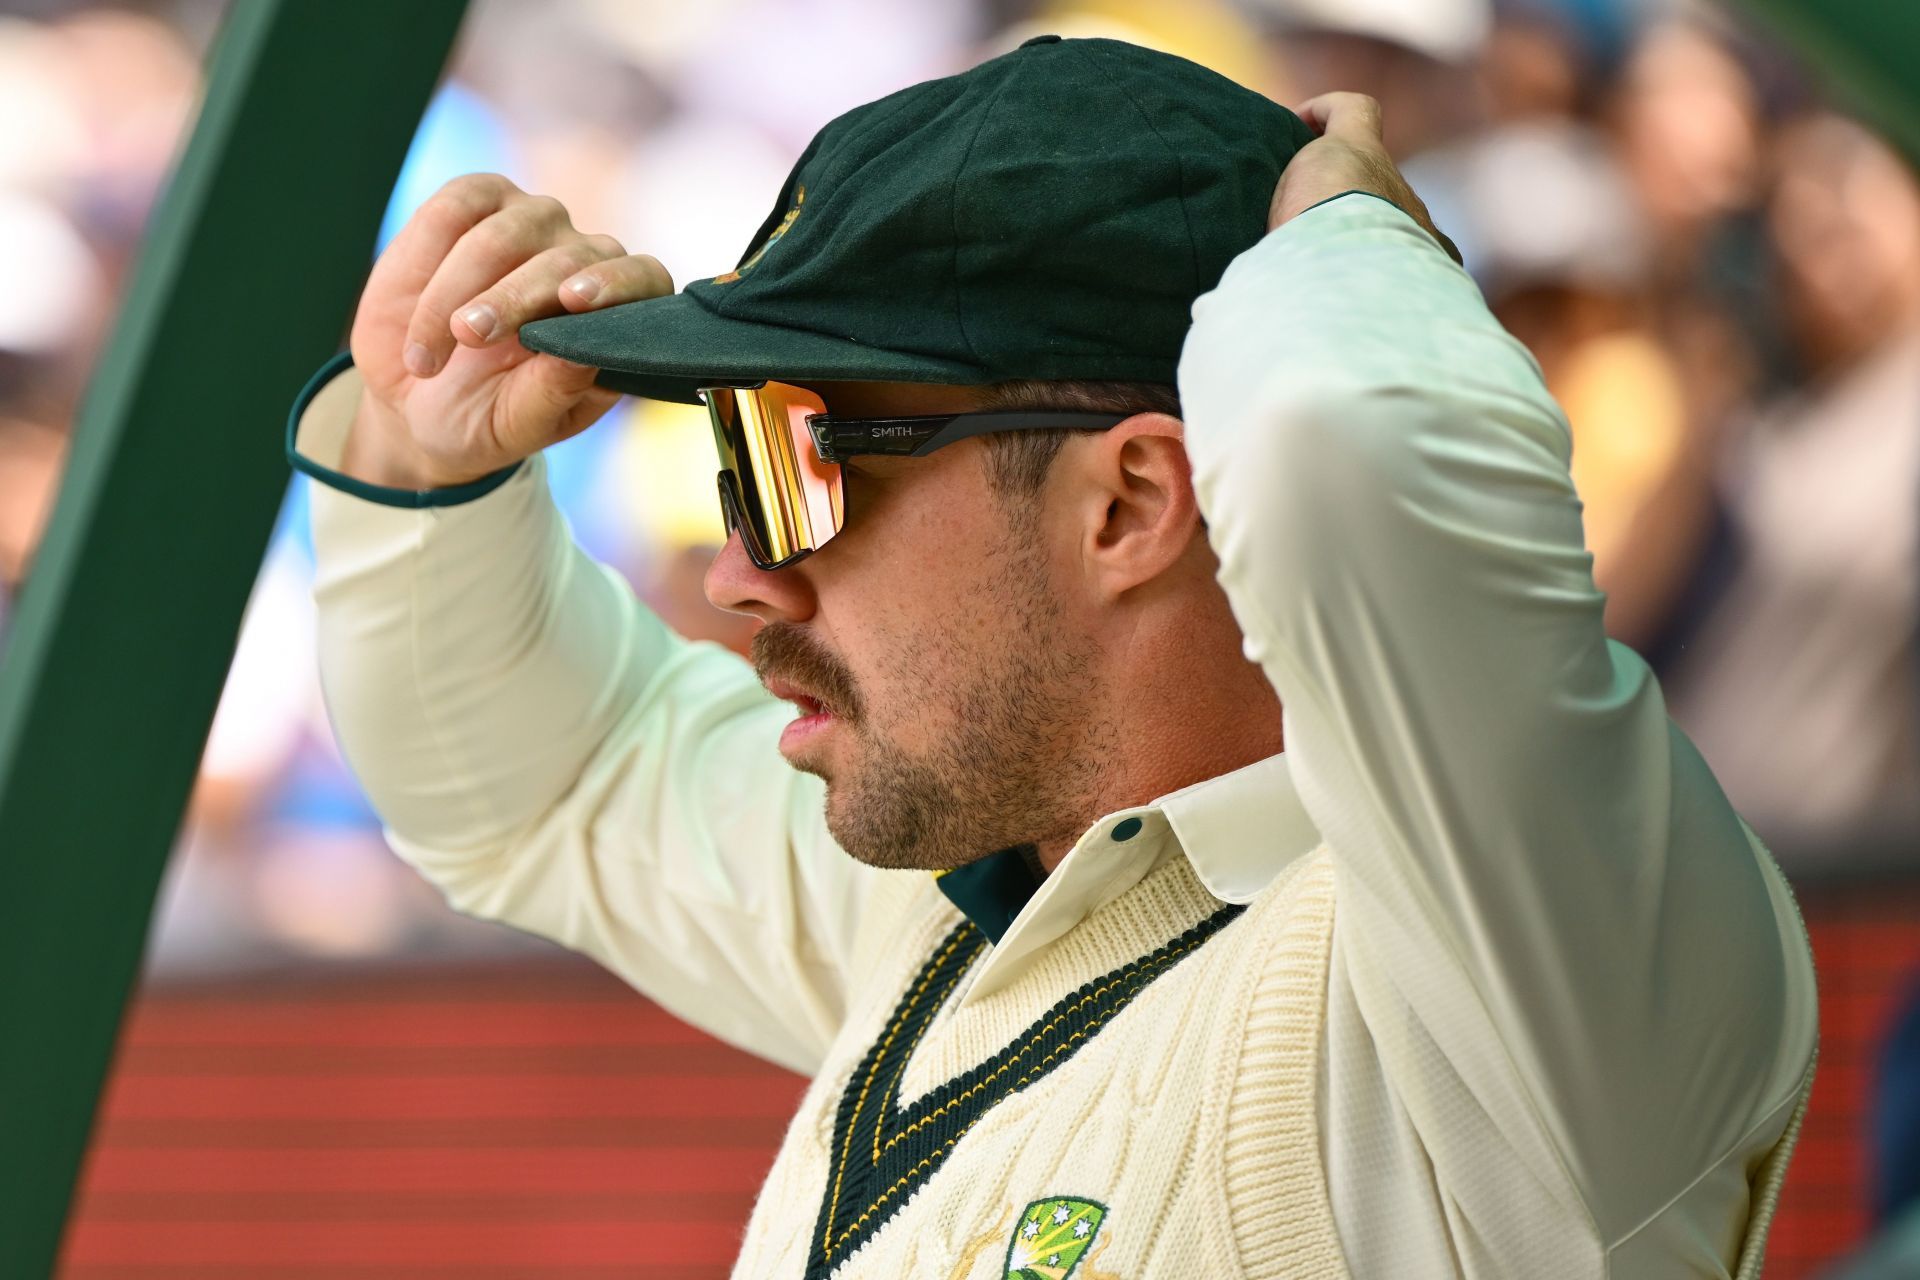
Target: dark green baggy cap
1051	213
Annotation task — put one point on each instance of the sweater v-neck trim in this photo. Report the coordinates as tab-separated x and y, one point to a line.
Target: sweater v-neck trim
882	1153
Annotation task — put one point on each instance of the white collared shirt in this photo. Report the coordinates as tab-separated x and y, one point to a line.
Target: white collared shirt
1208	823
1570	1002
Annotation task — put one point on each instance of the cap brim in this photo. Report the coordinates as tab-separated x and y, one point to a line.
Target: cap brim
666	348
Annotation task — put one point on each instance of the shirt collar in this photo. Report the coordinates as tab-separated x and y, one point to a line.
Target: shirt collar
1238	830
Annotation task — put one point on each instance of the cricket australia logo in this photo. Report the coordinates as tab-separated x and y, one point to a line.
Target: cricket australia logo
799	198
1052	1237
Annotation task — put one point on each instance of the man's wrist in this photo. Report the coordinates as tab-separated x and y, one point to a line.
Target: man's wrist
379	451
321	427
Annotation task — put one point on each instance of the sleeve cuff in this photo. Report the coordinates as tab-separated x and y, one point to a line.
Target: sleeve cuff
1350	191
1440	242
386	496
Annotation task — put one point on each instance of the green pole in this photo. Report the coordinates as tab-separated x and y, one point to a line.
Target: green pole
124	632
1865	52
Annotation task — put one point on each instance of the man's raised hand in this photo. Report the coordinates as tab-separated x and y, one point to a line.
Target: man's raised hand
1347	156
451	395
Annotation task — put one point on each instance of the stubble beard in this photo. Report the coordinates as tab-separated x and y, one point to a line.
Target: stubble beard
1019	766
1020	761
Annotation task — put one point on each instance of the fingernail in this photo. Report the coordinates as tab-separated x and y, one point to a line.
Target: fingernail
418	359
481	319
586	288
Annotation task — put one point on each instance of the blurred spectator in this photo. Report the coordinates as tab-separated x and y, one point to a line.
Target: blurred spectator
1692	135
1416	56
1533	68
1798	680
1685	114
1688	117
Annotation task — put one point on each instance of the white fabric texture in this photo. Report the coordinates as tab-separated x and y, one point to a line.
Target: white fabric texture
1570	1006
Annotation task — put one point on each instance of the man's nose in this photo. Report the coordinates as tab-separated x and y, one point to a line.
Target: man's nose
736	584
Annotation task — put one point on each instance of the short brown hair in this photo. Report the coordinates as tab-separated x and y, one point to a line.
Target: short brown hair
1018	461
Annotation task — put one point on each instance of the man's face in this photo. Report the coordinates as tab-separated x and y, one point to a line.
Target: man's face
940	630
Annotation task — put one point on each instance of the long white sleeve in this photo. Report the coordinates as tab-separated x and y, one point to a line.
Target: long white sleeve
1563	946
549	754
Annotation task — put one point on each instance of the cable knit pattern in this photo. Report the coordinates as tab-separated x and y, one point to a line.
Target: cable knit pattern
1281	1214
1187	1115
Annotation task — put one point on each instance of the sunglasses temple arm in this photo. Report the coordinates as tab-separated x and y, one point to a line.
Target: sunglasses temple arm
836	441
918	437
968	425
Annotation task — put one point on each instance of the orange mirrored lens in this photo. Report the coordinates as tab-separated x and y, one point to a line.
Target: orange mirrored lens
790	501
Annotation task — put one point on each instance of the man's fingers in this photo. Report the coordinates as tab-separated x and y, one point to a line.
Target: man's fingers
626	277
527	292
420	246
482	257
1353	118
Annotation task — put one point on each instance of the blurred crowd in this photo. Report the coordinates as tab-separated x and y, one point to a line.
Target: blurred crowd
1718	271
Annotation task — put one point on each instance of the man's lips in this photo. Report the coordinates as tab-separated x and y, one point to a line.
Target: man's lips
815	716
793	693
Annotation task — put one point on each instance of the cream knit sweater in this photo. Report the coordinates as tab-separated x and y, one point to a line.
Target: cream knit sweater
1186	1116
1179	1123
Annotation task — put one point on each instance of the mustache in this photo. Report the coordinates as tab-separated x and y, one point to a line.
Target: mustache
785	651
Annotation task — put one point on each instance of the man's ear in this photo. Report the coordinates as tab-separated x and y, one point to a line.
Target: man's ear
1133	494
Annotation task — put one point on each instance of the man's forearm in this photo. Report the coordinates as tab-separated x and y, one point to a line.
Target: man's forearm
472	656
